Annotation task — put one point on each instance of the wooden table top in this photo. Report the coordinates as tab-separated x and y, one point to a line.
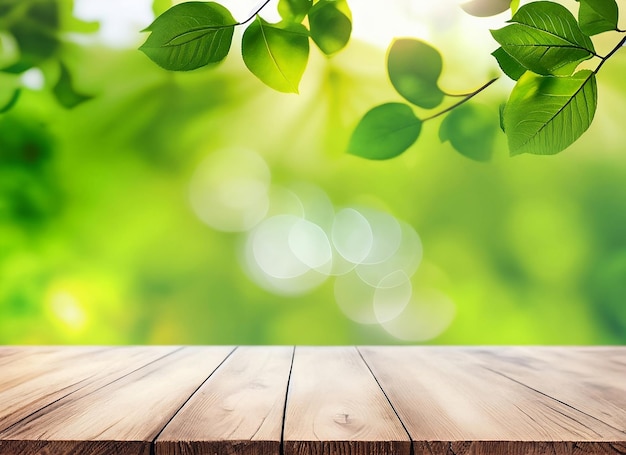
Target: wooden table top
223	400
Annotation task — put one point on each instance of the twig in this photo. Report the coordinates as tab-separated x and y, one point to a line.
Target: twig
467	98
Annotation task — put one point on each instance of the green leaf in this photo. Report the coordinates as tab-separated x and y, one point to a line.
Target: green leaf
294	10
514	6
485	8
545	115
385	132
414	68
160	6
597	16
11	102
508	64
65	93
471	129
330	22
545	38
189	36
276	53
35	32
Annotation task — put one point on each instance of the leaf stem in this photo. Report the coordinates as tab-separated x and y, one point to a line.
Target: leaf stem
467	98
610	54
256	11
456	95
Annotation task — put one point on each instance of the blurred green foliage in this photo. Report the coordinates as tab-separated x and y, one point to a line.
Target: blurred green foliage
99	243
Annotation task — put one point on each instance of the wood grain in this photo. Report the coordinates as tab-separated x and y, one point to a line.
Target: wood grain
173	400
123	416
335	406
595	381
451	404
42	377
239	410
19	365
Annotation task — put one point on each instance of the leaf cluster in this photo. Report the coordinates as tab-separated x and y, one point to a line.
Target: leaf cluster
31	35
552	104
550	107
388	130
196	34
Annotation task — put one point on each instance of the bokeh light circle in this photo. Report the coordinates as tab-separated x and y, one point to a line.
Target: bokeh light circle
352	235
355	298
310	244
386	235
406	258
286	254
229	190
428	314
391	297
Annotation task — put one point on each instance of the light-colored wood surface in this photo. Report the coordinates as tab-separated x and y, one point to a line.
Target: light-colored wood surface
448	396
239	410
219	400
598	391
122	416
334	405
43	377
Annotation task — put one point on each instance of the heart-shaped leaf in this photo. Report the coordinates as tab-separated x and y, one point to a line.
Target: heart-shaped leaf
597	16
545	38
385	132
471	129
294	10
545	115
330	22
414	68
276	53
190	35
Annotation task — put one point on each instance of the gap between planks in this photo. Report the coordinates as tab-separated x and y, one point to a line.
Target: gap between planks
312	400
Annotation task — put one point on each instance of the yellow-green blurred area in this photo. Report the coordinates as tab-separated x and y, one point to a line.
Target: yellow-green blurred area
204	207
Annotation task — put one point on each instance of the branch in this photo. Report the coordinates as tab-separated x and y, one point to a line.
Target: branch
256	11
468	97
610	54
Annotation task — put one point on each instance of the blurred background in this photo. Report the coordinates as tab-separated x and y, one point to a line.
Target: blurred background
206	208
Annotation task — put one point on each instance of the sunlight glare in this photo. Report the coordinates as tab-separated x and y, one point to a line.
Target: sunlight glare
230	190
68	310
352	235
392	296
407	258
428	315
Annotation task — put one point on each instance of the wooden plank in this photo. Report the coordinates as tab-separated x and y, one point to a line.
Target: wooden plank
239	410
121	417
591	380
335	406
10	353
451	404
452	401
20	364
41	377
15	360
